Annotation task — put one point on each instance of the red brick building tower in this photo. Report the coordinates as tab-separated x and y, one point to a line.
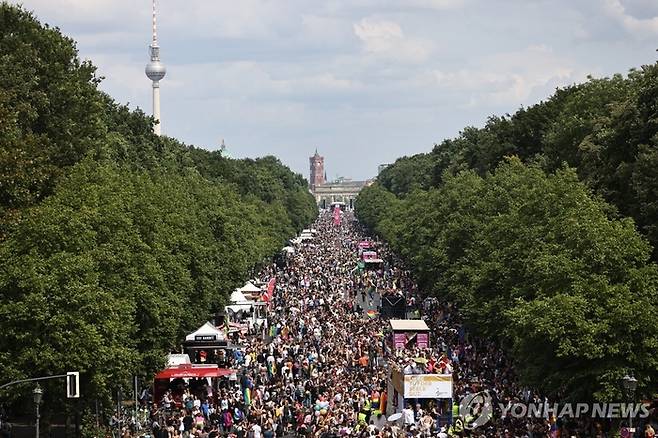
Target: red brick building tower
317	171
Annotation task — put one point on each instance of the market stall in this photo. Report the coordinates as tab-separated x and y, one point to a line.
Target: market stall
207	345
199	378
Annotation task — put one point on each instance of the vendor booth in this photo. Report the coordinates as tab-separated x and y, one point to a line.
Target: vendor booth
409	333
207	345
200	379
251	291
239	302
250	312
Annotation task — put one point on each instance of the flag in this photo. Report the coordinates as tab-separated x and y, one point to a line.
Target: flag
336	216
371	314
246	393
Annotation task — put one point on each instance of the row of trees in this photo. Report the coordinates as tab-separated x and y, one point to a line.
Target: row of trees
114	242
604	128
522	224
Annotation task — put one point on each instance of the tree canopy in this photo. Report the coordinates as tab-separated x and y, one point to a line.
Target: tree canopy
114	242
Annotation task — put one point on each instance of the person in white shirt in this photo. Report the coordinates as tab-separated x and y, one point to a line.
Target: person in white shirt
256	430
408	414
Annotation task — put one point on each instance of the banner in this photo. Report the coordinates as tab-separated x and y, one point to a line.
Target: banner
269	292
422	340
399	340
428	386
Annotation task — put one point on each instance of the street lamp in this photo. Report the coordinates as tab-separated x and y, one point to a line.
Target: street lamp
38	394
630	384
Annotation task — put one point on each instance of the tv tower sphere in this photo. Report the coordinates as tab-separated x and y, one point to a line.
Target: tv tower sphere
155	70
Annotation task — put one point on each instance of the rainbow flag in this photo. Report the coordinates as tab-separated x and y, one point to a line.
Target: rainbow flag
371	314
246	393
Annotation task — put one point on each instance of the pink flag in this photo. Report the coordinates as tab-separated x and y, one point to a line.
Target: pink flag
336	216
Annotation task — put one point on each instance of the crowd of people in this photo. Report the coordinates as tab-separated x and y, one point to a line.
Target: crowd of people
320	367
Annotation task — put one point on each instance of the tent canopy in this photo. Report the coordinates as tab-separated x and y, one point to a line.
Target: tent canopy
192	371
206	332
235	308
408	325
178	359
249	288
238	297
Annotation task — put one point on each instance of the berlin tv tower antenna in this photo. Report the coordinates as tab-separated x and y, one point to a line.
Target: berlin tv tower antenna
155	71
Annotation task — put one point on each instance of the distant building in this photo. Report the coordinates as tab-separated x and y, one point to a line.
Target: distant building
381	167
317	171
326	192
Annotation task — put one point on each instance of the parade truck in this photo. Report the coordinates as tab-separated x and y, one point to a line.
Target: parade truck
371	260
428	390
416	380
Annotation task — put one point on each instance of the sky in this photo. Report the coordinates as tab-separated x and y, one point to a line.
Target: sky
363	81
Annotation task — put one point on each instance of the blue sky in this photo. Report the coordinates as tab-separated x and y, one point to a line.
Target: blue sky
363	81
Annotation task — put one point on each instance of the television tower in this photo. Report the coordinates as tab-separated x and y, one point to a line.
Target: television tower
155	71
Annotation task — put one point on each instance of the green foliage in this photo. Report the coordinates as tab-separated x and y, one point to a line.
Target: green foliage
407	174
50	110
534	260
114	242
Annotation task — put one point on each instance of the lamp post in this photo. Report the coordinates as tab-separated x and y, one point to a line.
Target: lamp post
630	384
38	394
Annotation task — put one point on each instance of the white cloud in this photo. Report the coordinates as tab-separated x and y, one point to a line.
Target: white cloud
437	4
89	11
299	73
385	38
509	78
637	26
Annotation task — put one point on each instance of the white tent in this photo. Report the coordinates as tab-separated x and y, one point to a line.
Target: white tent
239	302
249	288
238	297
235	308
206	332
178	359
